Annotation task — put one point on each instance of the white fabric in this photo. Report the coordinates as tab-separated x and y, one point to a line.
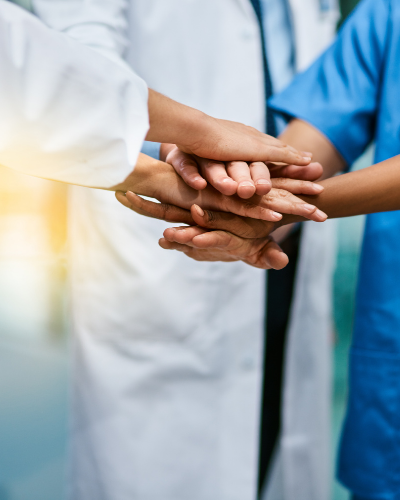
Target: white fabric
278	33
167	350
315	24
303	469
65	113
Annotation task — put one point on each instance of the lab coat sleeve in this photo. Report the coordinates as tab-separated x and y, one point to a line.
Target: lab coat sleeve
66	112
339	93
99	24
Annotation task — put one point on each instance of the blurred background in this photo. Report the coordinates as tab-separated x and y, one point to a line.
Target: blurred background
34	332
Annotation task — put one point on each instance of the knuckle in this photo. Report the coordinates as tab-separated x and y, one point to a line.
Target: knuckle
248	207
165	210
209	165
284	195
187	162
187	166
210	217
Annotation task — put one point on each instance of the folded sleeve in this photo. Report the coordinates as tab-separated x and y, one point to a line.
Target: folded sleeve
67	113
339	93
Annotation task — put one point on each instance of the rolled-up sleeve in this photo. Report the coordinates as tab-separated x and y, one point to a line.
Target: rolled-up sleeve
339	93
66	112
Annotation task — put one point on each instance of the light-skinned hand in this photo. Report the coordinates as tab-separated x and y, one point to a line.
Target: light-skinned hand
234	177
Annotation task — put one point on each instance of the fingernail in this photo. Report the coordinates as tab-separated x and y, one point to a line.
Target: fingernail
321	214
309	158
308	207
263	182
199	210
247	184
318	188
276	215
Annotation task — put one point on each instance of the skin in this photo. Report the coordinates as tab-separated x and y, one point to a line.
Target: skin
199	134
225	237
159	180
244	178
247	179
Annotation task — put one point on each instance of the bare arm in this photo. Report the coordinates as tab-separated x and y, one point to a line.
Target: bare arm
202	135
253	175
373	189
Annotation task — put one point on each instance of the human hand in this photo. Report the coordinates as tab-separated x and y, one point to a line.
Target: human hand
224	140
263	253
158	180
207	137
201	245
235	177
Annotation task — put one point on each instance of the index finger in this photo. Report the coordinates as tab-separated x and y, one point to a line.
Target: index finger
283	154
216	174
310	172
162	211
185	165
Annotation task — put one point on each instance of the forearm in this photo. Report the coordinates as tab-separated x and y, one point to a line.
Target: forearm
373	189
172	122
305	137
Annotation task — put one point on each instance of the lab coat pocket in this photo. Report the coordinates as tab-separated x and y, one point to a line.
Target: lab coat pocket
369	459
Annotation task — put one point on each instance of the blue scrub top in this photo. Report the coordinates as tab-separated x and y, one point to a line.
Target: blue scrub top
352	95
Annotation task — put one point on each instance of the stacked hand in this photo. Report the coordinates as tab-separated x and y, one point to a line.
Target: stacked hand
237	177
240	230
243	199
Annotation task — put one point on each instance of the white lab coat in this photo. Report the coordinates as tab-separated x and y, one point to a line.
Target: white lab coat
65	113
168	351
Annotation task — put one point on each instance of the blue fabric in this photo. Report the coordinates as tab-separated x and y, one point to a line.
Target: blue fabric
352	94
151	149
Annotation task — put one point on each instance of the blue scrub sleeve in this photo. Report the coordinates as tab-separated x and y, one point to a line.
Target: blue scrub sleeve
339	93
151	149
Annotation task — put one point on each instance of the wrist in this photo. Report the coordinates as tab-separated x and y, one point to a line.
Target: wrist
147	178
196	128
173	122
